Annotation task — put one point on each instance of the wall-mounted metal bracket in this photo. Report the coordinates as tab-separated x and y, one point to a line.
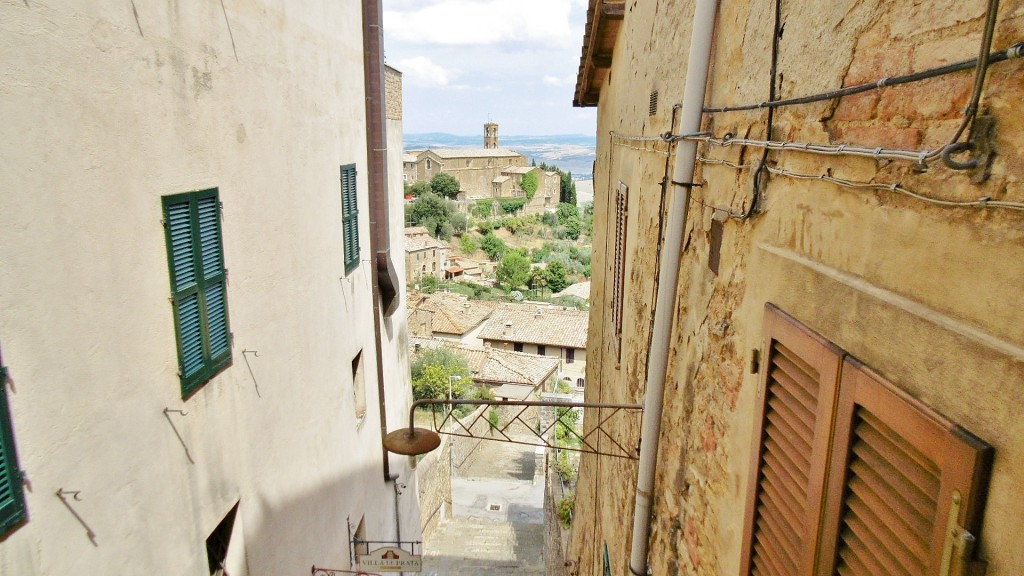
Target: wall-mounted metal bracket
413	441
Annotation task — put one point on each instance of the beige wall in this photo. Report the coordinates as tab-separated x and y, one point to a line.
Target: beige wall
106	113
474	174
916	291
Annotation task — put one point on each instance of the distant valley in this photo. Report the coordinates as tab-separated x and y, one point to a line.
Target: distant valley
572	152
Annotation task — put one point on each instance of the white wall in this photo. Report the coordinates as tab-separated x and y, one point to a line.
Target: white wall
103	114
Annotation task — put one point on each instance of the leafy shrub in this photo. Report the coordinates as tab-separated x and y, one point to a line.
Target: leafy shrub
484	208
493	246
468	244
511	205
565	509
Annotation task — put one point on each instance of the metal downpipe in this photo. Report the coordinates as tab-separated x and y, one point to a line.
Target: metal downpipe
668	275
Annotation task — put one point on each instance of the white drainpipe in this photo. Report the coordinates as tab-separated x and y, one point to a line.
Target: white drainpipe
668	275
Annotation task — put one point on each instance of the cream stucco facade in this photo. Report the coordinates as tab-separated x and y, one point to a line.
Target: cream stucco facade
915	289
107	107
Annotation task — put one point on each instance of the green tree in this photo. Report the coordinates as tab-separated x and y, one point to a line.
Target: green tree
432	212
459	222
529	184
444	185
468	244
429	284
567	212
566	188
556	276
493	246
573	229
417	189
431	369
569	219
514	269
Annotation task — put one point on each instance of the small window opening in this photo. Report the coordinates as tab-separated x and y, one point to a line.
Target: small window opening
218	541
359	386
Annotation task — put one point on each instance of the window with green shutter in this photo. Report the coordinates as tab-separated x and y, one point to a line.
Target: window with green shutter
350	216
195	256
12	494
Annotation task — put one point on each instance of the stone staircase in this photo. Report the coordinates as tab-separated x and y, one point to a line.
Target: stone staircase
481	546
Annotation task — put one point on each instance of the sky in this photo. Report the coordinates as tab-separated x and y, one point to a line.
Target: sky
465	62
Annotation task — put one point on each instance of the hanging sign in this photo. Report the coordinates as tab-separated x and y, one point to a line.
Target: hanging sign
390	559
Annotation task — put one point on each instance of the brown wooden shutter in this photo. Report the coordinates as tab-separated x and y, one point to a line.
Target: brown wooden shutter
898	468
788	466
619	270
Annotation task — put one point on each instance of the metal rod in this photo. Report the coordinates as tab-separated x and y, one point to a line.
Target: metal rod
527	403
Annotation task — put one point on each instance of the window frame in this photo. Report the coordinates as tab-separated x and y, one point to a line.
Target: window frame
350	216
211	363
14	512
798	442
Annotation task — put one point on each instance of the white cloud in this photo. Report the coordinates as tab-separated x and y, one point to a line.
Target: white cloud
460	22
564	81
422	71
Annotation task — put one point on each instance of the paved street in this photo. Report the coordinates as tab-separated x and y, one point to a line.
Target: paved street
498	517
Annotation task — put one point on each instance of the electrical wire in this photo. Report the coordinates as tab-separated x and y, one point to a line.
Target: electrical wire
824	149
1014	51
971	111
772	95
983	202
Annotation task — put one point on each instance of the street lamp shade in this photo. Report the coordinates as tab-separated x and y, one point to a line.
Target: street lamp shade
412	441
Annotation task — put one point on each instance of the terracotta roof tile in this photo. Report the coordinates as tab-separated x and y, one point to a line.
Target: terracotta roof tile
537	324
454	313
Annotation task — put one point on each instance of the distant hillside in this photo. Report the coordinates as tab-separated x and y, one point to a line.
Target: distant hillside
572	152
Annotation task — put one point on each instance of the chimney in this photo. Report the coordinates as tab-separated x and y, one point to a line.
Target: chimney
490	135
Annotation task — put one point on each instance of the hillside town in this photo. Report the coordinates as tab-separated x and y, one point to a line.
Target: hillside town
268	308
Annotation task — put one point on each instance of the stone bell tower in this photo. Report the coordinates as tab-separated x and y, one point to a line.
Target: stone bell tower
490	135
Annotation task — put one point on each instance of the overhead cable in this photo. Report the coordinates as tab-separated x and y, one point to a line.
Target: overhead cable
983	202
1015	51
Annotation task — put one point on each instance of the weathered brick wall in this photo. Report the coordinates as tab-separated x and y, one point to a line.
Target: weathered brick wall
843	260
392	93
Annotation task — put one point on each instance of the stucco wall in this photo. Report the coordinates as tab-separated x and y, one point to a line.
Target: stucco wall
914	290
106	112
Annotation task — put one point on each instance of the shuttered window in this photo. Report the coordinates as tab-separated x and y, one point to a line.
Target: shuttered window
350	216
788	468
903	478
619	264
198	285
850	476
12	494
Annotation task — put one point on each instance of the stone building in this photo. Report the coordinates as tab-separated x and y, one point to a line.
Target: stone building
447	316
424	255
543	330
486	173
202	334
811	296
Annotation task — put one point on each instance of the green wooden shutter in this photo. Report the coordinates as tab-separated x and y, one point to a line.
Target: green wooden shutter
213	276
12	496
196	260
350	216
